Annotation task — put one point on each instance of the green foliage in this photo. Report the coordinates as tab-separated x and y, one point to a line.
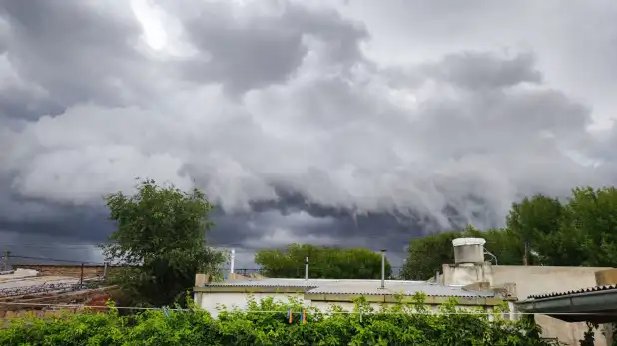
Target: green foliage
536	221
426	255
161	237
324	262
266	323
582	231
592	218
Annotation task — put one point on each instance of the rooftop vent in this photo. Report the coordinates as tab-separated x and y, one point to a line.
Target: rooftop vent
468	250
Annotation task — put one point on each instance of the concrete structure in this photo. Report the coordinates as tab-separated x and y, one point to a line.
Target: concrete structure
597	304
324	293
522	282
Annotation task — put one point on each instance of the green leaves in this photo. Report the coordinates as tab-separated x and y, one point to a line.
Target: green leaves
161	234
324	262
266	323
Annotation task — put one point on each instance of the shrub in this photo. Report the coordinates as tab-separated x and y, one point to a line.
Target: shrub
267	323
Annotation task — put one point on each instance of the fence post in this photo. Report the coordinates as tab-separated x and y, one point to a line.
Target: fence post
81	277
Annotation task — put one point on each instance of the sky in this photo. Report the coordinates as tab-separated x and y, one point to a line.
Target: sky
344	123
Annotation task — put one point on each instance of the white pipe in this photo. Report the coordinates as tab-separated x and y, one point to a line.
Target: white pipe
306	268
383	268
233	261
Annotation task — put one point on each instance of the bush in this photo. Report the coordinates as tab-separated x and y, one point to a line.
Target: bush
267	323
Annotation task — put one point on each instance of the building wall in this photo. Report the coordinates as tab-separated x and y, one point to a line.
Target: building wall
213	301
530	280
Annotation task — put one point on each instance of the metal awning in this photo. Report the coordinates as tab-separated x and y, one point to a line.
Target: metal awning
597	304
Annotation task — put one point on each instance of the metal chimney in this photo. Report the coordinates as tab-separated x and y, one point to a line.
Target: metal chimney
306	268
383	268
233	261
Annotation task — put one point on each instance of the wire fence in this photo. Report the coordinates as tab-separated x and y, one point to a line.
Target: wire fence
327	312
49	287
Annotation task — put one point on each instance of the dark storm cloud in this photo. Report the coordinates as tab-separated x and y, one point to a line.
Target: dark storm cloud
302	122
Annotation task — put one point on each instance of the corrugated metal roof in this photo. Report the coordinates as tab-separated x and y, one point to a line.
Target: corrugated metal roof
359	287
577	291
404	288
273	282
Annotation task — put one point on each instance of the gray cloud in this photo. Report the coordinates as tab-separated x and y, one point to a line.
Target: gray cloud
301	122
244	49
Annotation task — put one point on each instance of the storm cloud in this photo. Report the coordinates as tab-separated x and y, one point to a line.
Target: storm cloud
333	123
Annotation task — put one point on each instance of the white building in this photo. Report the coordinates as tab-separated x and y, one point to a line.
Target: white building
323	293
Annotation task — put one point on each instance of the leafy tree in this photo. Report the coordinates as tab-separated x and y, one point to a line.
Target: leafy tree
536	221
426	255
160	237
324	262
591	225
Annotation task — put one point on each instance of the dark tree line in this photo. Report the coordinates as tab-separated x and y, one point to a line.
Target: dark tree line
324	262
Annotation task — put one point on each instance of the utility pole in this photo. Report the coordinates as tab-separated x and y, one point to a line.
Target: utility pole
383	268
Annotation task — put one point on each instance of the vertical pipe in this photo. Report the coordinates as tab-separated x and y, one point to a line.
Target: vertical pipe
306	268
81	277
383	268
105	270
233	261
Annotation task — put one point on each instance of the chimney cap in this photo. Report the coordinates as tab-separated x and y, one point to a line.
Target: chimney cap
468	241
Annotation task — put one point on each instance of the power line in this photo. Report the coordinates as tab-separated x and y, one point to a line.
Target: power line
55	246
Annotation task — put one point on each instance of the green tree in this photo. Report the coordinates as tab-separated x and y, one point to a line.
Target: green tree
160	238
324	262
590	222
426	255
536	221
